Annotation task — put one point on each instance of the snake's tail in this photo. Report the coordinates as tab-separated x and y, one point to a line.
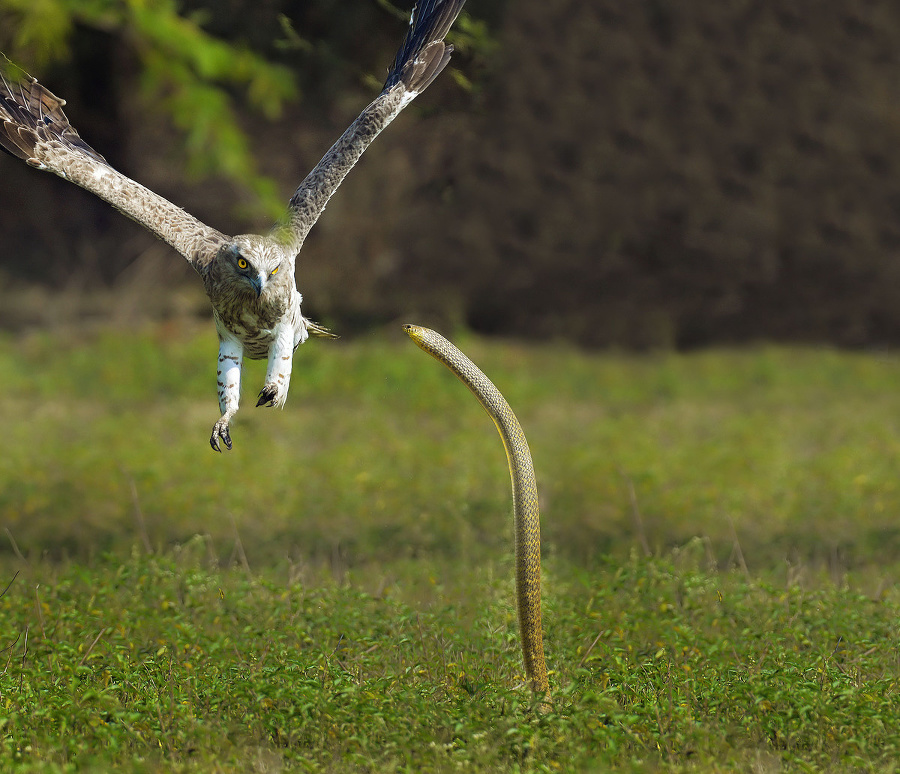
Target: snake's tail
531	632
528	566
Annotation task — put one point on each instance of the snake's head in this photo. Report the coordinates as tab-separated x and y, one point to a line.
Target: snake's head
420	335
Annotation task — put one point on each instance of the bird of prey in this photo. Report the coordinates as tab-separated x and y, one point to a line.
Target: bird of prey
249	278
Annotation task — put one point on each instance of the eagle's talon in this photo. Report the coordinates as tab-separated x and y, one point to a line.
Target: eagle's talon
220	430
267	396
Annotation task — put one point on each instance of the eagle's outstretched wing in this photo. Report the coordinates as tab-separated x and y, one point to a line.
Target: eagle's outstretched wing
34	128
419	61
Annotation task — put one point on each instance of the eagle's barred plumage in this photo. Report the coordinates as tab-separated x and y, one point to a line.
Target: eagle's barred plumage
34	127
250	279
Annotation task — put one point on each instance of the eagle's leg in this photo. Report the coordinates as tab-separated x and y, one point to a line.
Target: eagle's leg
228	378
278	372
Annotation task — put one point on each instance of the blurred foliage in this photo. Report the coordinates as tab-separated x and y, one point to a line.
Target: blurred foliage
666	173
382	453
184	70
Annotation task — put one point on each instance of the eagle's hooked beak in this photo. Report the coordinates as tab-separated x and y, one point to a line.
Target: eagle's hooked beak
257	283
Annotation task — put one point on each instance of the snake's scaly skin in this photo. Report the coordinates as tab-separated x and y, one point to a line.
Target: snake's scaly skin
525	497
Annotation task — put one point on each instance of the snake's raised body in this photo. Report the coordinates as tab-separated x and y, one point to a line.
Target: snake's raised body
525	497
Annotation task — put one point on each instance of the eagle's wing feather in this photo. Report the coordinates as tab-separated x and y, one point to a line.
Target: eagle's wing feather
34	127
420	59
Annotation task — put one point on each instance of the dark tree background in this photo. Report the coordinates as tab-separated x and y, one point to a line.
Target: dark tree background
641	174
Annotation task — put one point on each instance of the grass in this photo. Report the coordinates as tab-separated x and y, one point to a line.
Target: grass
721	559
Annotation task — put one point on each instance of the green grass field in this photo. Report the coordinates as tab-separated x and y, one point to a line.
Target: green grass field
721	551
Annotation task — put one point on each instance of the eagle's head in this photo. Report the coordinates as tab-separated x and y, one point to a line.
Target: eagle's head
257	264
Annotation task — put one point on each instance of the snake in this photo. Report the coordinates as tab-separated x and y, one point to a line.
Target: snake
526	509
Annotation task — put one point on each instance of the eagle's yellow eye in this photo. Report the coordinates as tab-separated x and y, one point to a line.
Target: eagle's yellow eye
242	263
274	272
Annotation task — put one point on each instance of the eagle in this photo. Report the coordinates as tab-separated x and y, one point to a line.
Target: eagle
249	278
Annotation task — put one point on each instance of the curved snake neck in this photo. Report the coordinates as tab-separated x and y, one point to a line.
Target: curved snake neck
525	497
